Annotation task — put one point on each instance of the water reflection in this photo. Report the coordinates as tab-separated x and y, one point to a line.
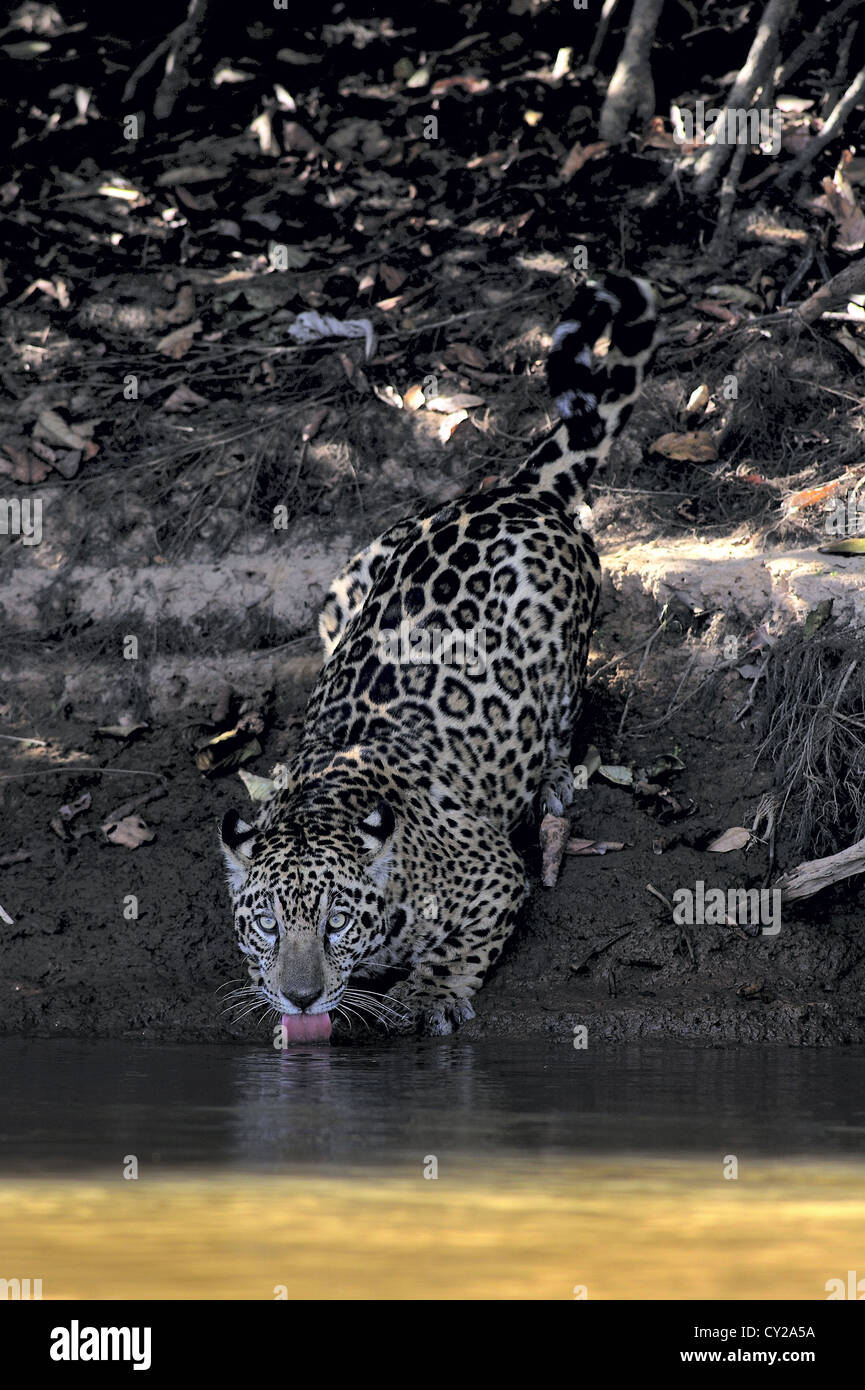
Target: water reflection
68	1105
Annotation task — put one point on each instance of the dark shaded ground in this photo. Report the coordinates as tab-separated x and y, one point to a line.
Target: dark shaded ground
73	964
460	252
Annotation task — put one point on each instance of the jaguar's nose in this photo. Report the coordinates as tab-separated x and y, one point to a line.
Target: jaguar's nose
302	999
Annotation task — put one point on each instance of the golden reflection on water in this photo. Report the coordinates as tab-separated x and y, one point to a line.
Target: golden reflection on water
624	1229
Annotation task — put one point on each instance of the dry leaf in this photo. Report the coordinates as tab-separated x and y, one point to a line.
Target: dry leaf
413	398
129	832
810	496
449	424
737	837
617	774
392	277
698	400
178	343
191	173
21	466
553	834
52	426
592	846
389	396
314	423
696	446
468	355
580	155
259	788
717	311
121	730
183	399
461	400
854	545
840	202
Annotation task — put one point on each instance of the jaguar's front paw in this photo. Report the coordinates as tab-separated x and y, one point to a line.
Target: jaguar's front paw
417	1012
441	1019
557	789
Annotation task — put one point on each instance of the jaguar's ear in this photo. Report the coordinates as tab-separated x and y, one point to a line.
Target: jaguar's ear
237	838
376	831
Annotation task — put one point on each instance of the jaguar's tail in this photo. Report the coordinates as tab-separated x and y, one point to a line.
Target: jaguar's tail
593	395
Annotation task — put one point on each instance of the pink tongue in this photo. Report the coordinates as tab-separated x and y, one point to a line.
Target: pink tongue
306	1027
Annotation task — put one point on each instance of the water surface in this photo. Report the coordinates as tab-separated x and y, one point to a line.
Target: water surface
430	1169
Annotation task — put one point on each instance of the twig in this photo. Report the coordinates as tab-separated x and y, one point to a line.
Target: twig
816	874
727	202
129	806
596	950
839	77
646	650
185	42
650	888
825	24
753	75
603	25
849	281
620	656
831	129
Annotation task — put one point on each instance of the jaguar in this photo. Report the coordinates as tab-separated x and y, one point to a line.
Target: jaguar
455	653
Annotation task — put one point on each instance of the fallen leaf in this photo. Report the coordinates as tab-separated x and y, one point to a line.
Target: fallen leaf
592	846
475	85
259	788
178	343
389	396
121	730
696	446
716	311
52	426
129	832
698	400
226	751
22	467
579	155
810	496
553	835
839	200
450	423
855	545
617	774
735	294
392	277
314	423
191	173
75	808
737	837
184	399
459	401
468	355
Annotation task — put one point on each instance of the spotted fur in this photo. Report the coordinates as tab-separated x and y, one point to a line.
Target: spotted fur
386	845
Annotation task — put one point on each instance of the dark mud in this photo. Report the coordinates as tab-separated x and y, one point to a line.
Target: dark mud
598	949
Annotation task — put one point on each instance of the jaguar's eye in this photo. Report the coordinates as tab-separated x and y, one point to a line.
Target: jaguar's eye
337	922
266	924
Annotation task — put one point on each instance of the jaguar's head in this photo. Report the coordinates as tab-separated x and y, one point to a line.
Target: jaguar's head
308	888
